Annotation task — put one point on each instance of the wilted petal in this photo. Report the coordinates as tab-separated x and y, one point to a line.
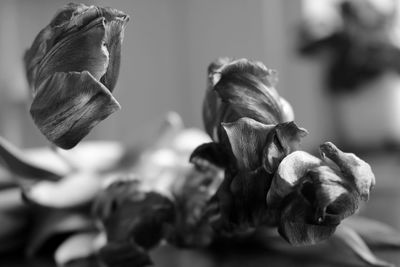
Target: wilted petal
292	168
246	87
78	52
297	223
355	171
114	36
79	39
283	139
213	153
247	139
68	105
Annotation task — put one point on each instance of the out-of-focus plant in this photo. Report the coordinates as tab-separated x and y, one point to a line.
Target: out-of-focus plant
360	38
72	68
115	206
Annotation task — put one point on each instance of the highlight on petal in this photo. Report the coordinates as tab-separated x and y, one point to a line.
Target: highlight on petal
113	41
68	105
287	110
247	139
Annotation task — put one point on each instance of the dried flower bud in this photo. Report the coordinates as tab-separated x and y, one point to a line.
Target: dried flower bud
309	197
72	68
242	88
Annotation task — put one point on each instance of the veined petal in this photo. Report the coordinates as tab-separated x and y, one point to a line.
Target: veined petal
247	138
246	86
68	105
80	51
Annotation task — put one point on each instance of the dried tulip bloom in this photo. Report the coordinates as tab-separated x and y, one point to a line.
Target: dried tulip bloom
267	181
72	68
309	197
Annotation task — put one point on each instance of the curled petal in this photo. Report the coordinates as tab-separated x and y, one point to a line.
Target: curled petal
80	51
356	171
113	42
68	105
245	86
283	139
292	168
247	138
297	224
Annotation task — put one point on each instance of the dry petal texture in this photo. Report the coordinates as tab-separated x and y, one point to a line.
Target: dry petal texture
72	68
267	180
253	130
309	197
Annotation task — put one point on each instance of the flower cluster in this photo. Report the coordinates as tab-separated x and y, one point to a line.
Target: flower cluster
249	176
267	181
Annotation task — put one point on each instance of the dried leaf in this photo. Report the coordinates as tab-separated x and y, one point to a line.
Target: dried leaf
349	237
247	139
374	233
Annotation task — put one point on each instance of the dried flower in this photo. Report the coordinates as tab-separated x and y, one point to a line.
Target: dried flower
72	68
312	196
267	181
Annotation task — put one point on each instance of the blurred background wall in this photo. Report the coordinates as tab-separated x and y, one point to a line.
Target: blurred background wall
167	47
